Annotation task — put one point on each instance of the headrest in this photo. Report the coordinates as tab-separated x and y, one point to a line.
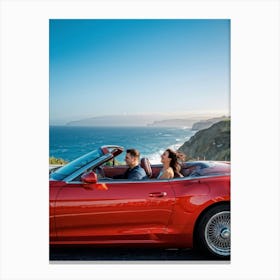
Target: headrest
145	164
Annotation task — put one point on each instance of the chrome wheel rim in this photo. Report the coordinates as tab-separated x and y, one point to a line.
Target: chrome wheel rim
217	233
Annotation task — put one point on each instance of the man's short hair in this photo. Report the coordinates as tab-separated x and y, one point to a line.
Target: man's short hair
133	152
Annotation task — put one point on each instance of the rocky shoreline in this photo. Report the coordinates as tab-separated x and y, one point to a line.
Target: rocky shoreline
212	143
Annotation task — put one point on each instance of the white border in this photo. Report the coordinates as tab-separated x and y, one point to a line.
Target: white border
255	138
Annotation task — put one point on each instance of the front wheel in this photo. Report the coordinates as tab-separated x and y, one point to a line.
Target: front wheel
213	232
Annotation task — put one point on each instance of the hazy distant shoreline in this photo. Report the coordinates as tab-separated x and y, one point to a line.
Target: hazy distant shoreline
145	121
141	120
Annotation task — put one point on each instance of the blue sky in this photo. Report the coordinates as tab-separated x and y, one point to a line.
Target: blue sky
128	67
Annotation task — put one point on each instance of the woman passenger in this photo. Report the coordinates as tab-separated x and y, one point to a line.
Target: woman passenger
171	166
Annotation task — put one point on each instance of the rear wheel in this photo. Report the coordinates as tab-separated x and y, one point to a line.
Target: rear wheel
213	232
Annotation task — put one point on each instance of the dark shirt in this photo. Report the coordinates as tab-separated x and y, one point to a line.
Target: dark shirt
136	173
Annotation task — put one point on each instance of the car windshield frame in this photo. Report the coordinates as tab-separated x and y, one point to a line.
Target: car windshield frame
77	164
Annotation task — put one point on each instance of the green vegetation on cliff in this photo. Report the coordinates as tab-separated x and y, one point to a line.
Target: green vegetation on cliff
212	143
53	160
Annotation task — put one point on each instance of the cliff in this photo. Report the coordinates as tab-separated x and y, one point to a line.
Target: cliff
212	143
207	123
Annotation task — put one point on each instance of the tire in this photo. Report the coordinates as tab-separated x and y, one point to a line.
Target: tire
213	232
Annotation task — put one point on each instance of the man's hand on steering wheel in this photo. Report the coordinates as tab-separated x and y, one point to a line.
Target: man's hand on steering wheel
99	172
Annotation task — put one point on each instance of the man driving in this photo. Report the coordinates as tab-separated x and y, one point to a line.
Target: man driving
135	171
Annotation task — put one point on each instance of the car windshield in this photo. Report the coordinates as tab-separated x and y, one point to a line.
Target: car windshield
76	164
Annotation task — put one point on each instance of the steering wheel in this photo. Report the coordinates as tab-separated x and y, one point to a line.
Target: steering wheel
99	172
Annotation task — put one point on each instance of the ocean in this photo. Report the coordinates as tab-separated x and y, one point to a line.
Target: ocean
69	142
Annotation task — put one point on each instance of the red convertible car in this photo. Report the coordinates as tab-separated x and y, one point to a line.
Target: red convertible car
88	206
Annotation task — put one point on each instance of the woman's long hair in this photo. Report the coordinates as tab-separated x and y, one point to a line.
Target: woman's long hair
176	158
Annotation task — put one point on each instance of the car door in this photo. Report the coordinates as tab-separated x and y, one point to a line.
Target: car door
113	211
55	186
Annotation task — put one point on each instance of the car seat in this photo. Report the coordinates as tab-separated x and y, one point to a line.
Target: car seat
145	164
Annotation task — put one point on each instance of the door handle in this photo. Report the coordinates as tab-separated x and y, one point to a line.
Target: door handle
158	194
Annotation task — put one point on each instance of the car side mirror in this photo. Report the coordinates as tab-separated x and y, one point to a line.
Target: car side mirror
89	178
